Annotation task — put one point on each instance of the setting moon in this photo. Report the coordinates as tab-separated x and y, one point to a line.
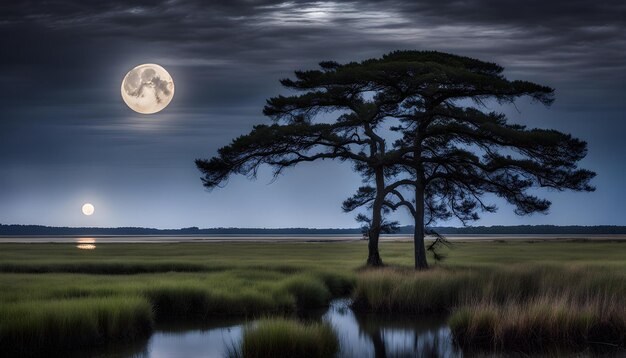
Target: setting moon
147	88
88	209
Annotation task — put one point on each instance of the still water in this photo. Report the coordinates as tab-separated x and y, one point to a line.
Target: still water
359	336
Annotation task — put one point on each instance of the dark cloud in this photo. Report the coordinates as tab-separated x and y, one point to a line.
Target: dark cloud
567	34
63	61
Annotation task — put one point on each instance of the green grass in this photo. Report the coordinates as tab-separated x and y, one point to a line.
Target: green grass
36	327
200	281
182	295
279	337
112	259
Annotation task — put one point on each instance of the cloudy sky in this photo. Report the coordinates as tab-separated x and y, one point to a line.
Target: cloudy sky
67	138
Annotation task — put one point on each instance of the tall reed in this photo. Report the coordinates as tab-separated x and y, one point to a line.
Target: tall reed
542	324
441	290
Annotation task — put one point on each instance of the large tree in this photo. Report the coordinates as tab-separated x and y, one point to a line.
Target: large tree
449	152
457	152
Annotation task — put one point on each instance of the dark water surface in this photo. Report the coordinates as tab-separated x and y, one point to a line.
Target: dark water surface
359	336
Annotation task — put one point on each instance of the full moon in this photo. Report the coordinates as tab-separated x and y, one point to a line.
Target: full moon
147	88
88	209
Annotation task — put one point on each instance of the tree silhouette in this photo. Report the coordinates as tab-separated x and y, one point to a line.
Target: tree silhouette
350	93
456	153
447	154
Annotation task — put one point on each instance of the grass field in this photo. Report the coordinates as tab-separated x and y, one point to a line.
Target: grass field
55	295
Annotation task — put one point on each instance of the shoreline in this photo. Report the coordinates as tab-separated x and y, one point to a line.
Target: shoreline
151	239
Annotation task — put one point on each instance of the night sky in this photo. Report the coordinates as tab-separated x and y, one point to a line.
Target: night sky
66	136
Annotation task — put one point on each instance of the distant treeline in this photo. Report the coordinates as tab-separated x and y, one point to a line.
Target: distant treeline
50	230
532	229
39	230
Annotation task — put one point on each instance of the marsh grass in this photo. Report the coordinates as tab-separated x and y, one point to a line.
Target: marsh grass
308	291
29	328
443	289
109	268
523	308
188	302
62	306
542	324
279	337
290	258
403	291
50	292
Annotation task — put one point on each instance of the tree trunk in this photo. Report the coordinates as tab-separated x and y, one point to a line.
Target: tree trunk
418	233
373	257
418	236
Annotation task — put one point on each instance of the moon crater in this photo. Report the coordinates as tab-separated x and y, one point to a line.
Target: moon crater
147	88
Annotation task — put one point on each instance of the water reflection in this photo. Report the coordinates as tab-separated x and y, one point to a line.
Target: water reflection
214	342
86	243
390	335
359	336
